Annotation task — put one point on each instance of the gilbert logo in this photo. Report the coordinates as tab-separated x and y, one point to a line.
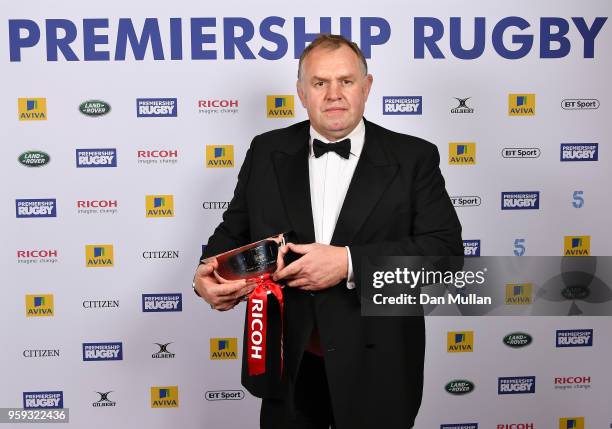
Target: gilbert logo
99	255
164	397
521	104
32	109
461	153
219	156
458	342
577	245
223	348
53	399
518	293
280	106
571	423
159	205
39	305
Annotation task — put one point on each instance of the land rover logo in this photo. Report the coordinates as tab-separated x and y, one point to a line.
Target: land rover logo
34	158
517	339
459	387
94	108
575	292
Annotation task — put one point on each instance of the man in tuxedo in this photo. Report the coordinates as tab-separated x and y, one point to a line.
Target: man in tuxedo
347	188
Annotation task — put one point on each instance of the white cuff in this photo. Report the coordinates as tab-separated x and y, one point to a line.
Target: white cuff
350	278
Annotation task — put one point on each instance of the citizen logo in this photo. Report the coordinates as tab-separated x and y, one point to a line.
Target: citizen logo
41	353
104	401
163	352
215	205
160	254
224	395
101	303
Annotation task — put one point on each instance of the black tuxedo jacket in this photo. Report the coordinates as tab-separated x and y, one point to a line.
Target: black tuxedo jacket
396	204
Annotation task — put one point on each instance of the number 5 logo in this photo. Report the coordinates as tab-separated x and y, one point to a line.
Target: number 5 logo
519	247
578	199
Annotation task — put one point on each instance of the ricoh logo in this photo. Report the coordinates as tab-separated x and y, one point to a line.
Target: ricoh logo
39	305
518	293
579	151
156	107
159	205
280	106
37	256
32	109
224	395
471	247
460	342
162	302
462	153
521	152
577	382
529	425
158	157
580	104
52	399
515	385
574	338
577	245
99	255
405	105
466	201
102	351
214	107
37	207
223	348
88	207
220	156
164	397
521	104
527	200
91	158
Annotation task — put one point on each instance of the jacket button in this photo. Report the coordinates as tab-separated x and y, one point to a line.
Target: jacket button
331	349
312	294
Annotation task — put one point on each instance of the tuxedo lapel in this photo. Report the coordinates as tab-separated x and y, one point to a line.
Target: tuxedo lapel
371	178
291	168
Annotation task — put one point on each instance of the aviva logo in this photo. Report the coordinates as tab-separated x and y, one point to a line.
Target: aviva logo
223	348
571	423
32	109
220	156
99	255
577	245
458	342
461	153
280	106
159	205
518	293
39	305
164	397
521	104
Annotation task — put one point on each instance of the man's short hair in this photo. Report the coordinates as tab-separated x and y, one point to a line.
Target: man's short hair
332	41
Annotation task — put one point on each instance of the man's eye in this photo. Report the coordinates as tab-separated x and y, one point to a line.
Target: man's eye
347	82
319	84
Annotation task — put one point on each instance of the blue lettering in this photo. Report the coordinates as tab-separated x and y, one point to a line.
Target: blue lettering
547	37
265	30
589	34
198	39
368	39
300	36
176	39
455	39
231	41
150	32
16	42
525	40
421	41
346	27
55	43
91	39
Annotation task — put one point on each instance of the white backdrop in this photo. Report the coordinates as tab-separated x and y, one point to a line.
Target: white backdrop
488	80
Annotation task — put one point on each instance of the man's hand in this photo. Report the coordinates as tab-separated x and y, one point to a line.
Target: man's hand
221	294
321	267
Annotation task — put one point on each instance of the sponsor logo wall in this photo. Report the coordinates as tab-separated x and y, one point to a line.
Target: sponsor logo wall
102	169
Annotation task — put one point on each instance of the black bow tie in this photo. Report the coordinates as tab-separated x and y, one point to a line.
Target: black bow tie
342	148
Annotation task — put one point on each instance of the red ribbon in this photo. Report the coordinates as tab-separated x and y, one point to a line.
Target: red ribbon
257	324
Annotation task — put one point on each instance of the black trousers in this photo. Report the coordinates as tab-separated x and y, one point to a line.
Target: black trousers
312	401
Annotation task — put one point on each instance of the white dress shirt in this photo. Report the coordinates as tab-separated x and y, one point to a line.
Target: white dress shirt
330	176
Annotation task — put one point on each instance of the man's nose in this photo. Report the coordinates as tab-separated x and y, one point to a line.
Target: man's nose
334	91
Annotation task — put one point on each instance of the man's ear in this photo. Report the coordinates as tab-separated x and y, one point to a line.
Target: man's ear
300	92
368	85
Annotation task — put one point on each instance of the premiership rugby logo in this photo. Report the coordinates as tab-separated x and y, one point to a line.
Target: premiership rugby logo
515	385
162	302
156	107
575	338
517	340
38	207
460	426
528	200
34	158
407	105
102	351
459	387
471	247
94	108
54	399
88	158
579	151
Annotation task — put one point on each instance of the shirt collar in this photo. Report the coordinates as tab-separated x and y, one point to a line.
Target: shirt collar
357	137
